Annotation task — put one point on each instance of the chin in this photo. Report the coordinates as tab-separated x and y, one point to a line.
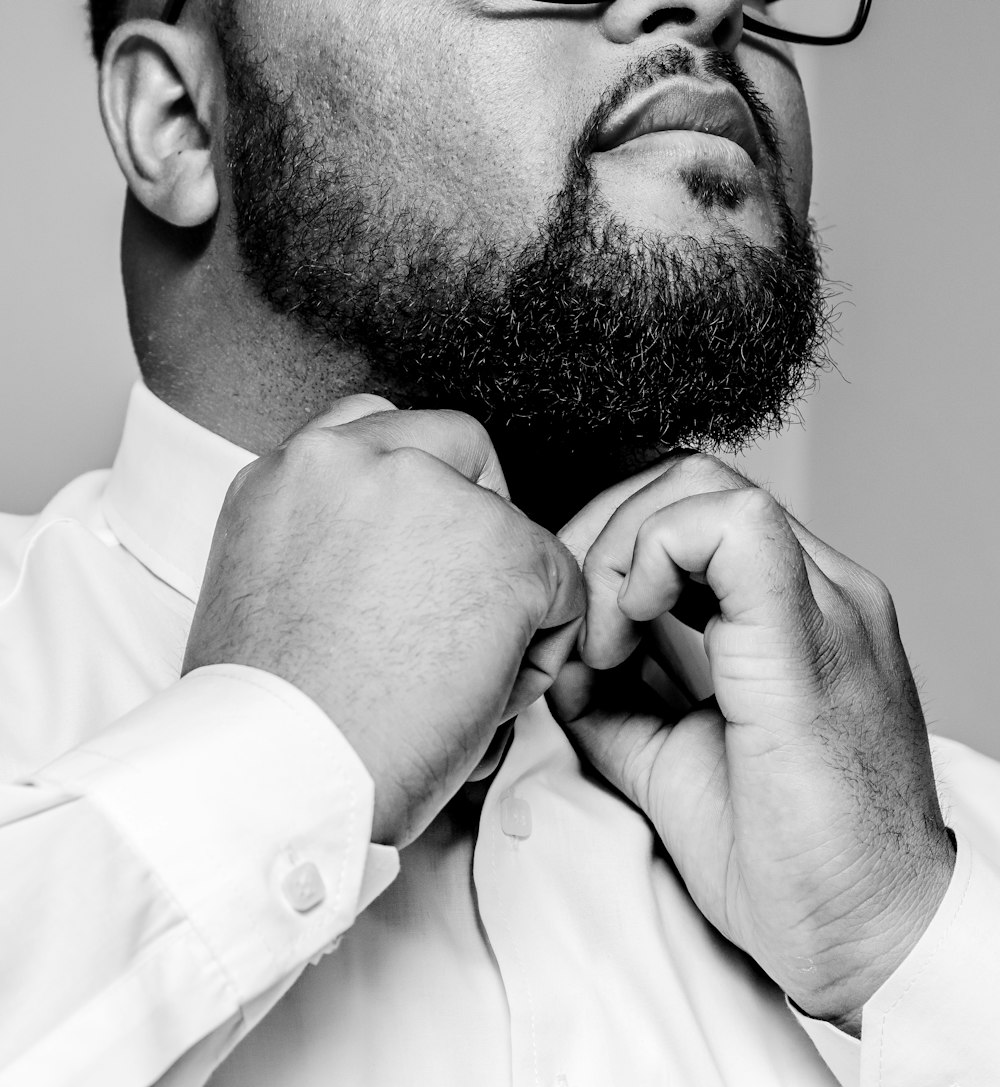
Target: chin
706	204
717	226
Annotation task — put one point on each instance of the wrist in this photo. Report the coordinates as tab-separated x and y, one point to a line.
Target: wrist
871	948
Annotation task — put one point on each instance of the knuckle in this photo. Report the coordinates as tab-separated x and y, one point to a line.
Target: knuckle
267	476
754	503
409	460
599	575
363	404
466	427
548	570
696	466
703	471
318	461
312	449
353	409
874	596
648	535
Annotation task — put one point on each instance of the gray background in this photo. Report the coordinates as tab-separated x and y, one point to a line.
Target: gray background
895	464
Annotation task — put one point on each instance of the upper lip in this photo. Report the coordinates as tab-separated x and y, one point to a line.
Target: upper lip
682	102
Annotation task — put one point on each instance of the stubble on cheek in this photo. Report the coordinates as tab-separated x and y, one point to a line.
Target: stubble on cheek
419	129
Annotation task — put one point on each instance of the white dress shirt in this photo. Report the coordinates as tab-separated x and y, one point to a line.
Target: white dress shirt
176	852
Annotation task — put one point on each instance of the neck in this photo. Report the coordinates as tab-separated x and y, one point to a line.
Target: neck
210	348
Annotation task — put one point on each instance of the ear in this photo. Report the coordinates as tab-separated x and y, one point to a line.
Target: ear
157	102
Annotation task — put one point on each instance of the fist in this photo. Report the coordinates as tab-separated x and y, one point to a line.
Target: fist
377	565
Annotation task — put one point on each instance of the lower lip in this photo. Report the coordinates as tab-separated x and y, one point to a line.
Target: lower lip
686	145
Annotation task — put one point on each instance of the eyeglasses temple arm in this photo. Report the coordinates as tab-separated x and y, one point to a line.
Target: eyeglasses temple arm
173	11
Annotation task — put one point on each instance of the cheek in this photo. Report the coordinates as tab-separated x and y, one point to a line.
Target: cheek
503	148
439	119
773	73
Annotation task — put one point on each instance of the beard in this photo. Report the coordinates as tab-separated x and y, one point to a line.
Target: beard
589	349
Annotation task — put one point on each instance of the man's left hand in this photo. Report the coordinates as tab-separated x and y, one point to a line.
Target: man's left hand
799	805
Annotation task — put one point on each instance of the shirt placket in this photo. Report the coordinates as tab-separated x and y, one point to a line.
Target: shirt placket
511	867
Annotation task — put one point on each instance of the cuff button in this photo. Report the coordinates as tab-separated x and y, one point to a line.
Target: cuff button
303	887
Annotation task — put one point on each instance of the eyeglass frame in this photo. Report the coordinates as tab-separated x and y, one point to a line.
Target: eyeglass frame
173	10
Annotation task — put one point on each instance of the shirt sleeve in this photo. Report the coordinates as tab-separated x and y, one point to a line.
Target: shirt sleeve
166	882
934	1021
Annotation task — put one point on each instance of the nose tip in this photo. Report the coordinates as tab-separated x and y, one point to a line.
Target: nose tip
716	24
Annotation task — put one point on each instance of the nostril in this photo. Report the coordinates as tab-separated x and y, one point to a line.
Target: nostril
728	33
682	16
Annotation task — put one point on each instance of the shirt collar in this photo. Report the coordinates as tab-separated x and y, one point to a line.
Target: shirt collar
166	489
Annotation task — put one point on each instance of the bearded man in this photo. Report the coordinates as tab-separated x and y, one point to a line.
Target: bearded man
296	629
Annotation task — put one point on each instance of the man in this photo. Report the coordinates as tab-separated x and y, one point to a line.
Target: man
586	225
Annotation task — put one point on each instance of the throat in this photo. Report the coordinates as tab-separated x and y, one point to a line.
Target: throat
551	482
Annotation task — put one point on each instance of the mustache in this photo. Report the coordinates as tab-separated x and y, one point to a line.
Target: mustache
678	60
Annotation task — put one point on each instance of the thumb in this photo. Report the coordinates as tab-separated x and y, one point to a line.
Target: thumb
641	686
618	720
541	664
555	633
580	532
622	747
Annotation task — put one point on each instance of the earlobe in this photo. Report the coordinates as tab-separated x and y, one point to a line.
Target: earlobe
156	91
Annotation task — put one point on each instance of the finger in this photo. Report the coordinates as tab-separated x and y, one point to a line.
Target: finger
654	582
349	408
740	542
639	686
571	696
581	531
621	509
551	648
610	635
622	746
556	632
451	436
678	476
567	595
690	473
542	664
346	410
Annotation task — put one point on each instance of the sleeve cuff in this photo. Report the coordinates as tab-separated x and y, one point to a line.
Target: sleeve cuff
840	1052
933	1022
250	808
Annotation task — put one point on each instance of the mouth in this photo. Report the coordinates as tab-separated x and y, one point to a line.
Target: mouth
684	104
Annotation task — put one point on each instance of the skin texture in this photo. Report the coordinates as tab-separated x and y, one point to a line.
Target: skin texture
346	559
798	804
566	368
423	650
427	98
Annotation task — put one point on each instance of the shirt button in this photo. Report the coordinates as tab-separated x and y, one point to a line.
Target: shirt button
303	887
515	817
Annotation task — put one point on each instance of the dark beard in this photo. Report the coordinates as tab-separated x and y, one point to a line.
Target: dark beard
586	352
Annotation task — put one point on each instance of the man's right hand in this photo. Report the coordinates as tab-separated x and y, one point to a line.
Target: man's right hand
369	561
